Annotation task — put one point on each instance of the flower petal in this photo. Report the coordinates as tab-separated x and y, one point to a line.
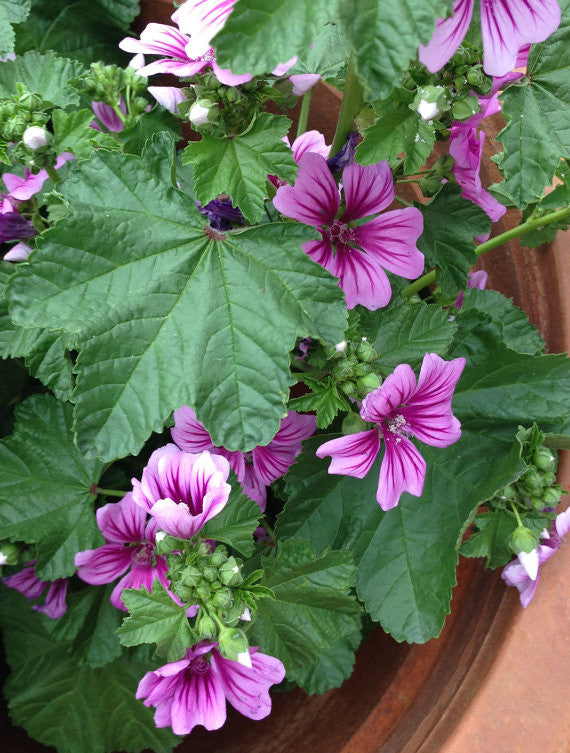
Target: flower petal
103	565
310	141
448	35
27	582
122	522
362	278
391	240
396	389
367	190
314	199
352	455
273	461
403	469
188	433
55	605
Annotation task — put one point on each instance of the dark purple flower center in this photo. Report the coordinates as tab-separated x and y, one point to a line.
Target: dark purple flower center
199	666
341	233
143	555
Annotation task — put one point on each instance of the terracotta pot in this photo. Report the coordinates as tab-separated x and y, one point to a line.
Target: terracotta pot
496	680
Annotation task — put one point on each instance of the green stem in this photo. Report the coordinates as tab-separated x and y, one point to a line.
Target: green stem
403	201
498	240
304	114
268	529
517	516
407	180
110	492
52	172
119	113
352	103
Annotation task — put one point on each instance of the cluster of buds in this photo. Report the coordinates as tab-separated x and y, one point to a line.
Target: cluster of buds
115	86
225	111
23	119
212	579
354	371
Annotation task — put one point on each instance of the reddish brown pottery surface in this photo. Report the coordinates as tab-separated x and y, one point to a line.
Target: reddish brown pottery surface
496	680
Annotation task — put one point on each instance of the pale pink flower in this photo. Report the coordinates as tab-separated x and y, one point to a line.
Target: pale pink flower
401	409
506	26
355	253
167	96
303	82
257	469
194	690
28	584
181	490
22	189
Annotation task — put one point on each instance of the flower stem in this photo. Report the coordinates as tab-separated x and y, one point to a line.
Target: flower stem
352	102
498	240
304	114
52	172
403	201
110	492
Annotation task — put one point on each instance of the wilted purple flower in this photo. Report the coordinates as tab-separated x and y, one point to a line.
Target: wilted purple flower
346	155
401	409
194	690
356	254
129	546
14	226
28	584
221	213
256	469
516	573
106	115
182	490
506	27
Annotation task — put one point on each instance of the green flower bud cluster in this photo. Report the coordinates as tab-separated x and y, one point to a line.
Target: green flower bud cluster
225	111
111	84
18	113
354	371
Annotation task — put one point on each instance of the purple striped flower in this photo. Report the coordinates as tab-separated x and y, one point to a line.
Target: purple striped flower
506	27
257	469
107	116
356	254
129	548
517	573
182	490
28	584
194	690
202	20
401	409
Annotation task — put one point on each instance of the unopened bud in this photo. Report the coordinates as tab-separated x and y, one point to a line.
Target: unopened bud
349	388
365	351
368	383
551	497
229	573
222	599
352	423
465	107
35	137
544	459
205	626
202	112
232	642
509	492
219	556
9	553
532	481
444	165
522	539
430	184
427	110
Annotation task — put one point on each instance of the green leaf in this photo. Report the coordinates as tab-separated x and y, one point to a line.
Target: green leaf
291	25
70	705
239	166
46	75
518	333
397	129
89	625
45	487
324	398
490	538
158	119
156	618
85	30
235	524
132	270
450	225
311	625
11	12
73	132
406	557
327	55
537	111
404	332
372	28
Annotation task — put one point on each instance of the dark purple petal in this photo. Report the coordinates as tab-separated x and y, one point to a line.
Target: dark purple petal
353	455
367	190
122	522
108	117
27	582
448	35
314	199
403	470
396	389
55	604
221	213
13	227
346	155
391	241
103	565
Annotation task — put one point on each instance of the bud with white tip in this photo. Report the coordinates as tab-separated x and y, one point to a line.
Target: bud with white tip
427	110
35	137
340	347
203	111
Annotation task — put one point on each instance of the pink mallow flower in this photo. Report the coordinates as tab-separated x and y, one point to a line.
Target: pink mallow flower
356	254
194	690
310	141
401	409
182	490
257	469
518	572
28	584
22	189
506	26
129	546
107	116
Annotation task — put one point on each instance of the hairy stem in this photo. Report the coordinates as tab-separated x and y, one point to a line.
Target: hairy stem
352	102
304	114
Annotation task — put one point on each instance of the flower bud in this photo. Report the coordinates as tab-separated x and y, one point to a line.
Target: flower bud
532	481
349	388
365	351
475	76
210	574
430	184
444	165
219	555
190	576
430	101
232	642
551	497
544	459
9	553
522	539
203	112
35	137
465	107
509	492
427	110
205	626
352	423
368	383
229	573
362	369
222	599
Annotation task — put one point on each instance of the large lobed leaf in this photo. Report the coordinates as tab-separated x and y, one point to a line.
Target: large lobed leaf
11	12
46	75
312	624
537	134
45	487
167	313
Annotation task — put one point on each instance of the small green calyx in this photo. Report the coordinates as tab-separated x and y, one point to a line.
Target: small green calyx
523	540
352	424
233	644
